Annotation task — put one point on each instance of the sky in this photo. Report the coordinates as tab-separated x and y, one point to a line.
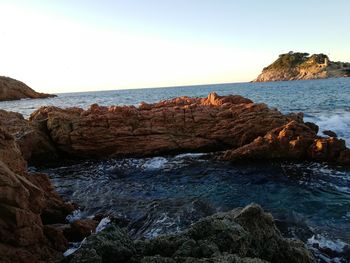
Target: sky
75	45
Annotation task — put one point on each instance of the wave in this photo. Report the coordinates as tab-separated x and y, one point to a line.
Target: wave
338	122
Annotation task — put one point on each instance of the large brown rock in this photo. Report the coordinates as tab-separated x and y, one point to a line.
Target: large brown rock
177	125
293	141
11	89
33	141
24	200
246	130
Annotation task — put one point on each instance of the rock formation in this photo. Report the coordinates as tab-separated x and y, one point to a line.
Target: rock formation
35	144
296	66
242	235
245	129
11	89
292	141
32	215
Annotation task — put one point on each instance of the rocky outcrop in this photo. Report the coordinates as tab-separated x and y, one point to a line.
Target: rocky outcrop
178	125
11	89
245	129
28	208
297	66
292	141
33	141
242	235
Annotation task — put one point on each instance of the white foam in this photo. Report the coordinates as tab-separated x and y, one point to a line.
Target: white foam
103	224
74	247
155	163
189	155
322	242
74	216
339	123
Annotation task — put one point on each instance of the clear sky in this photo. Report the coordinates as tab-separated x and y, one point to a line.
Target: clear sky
76	45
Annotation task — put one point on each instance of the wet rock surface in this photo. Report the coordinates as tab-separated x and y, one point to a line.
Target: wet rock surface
241	235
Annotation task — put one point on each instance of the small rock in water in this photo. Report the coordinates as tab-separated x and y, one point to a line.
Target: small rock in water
330	133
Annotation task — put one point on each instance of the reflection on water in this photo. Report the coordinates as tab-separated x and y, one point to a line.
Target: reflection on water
166	194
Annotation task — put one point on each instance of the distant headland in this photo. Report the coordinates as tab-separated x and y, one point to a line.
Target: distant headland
11	89
297	66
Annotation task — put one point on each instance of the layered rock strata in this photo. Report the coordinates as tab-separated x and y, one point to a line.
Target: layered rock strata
246	130
32	215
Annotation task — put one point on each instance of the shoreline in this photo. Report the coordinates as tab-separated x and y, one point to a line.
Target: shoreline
242	129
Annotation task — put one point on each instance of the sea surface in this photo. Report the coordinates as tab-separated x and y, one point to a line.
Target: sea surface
165	194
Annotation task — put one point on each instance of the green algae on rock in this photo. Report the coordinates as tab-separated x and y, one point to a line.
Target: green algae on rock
241	235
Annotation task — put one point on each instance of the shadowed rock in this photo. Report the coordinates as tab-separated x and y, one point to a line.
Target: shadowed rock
11	89
27	200
242	235
33	141
330	133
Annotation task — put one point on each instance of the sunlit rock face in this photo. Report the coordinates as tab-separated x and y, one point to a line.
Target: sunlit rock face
246	130
293	141
297	66
178	125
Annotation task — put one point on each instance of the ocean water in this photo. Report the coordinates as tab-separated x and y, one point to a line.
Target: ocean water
165	194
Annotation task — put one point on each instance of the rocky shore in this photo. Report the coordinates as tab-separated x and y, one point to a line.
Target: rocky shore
233	124
246	235
11	89
298	66
33	227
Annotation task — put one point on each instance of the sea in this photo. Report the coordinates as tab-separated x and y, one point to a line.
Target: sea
165	194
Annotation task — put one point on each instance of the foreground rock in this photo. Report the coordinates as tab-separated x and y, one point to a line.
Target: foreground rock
30	210
35	144
296	66
11	89
242	235
247	130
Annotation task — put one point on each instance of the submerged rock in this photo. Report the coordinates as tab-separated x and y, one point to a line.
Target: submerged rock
11	89
242	235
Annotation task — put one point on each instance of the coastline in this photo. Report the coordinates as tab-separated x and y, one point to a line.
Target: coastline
289	137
